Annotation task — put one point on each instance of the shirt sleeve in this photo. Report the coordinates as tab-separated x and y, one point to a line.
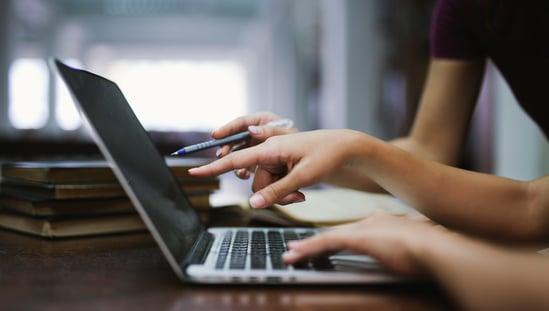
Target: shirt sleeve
452	30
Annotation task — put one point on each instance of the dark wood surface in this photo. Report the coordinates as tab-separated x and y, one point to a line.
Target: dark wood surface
128	272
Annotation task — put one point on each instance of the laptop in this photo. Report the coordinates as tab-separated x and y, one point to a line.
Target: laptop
196	254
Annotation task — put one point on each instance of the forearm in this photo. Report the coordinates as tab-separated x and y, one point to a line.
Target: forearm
483	277
350	177
469	201
346	177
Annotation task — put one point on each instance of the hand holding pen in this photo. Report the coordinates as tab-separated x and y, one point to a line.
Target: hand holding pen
239	137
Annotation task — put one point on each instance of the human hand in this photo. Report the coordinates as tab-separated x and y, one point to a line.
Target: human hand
395	241
259	131
286	163
258	126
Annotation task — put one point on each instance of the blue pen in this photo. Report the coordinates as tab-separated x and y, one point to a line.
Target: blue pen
227	140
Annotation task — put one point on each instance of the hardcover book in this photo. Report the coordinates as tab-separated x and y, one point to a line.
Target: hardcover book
61	191
72	171
40	207
71	227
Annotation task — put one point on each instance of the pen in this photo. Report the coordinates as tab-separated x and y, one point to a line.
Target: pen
227	140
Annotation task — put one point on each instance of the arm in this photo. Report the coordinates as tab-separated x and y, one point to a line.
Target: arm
438	132
477	203
441	123
478	276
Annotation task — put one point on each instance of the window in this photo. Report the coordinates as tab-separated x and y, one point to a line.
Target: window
28	93
166	95
169	95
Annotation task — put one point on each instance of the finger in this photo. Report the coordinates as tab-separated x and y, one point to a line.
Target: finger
223	151
241	124
321	243
264	178
268	194
258	201
265	131
242	173
294	197
232	161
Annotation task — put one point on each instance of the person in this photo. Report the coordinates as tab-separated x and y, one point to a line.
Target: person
470	214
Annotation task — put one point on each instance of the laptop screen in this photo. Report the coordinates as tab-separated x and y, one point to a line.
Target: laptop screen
134	158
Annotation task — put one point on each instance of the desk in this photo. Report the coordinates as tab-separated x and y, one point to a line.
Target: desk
128	272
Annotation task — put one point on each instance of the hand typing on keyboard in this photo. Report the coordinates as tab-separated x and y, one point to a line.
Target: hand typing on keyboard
391	240
265	248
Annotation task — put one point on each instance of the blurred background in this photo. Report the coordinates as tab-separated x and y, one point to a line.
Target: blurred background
189	66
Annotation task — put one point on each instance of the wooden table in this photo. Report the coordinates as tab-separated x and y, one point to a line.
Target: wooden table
128	272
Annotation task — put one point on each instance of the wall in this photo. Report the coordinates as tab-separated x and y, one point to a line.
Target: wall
352	49
521	150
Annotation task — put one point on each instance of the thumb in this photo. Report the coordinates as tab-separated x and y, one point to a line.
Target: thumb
258	201
283	191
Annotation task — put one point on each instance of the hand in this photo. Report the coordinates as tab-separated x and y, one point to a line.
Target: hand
259	132
287	163
394	241
256	124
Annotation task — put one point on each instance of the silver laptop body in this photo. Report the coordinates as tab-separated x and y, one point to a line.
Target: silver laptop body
195	253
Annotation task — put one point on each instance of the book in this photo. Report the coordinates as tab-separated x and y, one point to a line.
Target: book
330	207
76	207
72	171
71	227
61	191
40	207
58	199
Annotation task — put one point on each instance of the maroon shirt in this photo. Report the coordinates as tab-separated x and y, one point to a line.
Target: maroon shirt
514	34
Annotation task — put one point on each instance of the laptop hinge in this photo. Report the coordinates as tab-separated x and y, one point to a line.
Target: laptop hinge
200	249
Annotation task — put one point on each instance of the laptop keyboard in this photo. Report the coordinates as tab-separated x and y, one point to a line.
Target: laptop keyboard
263	249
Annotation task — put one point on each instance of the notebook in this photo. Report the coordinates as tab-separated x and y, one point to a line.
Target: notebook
195	253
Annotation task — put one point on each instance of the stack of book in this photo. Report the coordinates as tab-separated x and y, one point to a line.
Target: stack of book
56	199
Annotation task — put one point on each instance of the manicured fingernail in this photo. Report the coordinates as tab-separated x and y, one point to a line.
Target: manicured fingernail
255	129
257	201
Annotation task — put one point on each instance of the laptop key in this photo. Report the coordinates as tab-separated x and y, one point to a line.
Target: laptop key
276	248
258	252
224	250
239	251
258	261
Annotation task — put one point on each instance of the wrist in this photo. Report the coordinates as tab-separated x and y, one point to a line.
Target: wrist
427	248
362	147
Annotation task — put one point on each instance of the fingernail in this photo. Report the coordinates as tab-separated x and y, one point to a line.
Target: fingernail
255	129
218	152
257	201
242	173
